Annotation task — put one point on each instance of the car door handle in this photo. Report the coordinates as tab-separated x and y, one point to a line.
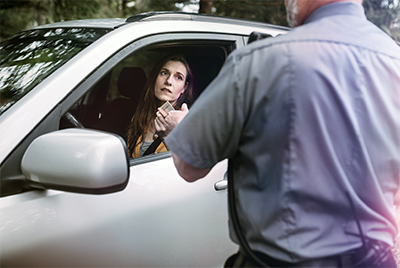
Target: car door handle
222	184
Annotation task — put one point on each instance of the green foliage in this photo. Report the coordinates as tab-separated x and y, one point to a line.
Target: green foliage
12	22
159	5
71	10
269	11
7	4
384	13
20	15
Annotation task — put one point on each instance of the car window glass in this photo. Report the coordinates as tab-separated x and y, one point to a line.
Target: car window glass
30	56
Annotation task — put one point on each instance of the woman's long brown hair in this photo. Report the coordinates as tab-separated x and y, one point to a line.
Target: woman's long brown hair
146	110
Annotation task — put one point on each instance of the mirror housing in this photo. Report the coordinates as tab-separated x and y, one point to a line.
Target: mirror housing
77	160
254	36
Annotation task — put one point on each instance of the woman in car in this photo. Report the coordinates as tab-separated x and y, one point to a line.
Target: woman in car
169	80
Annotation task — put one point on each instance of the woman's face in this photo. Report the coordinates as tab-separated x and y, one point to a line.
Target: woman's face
170	83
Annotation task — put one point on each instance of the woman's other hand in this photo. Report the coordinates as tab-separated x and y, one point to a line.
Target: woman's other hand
165	122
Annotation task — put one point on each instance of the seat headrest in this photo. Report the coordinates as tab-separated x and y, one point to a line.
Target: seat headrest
131	81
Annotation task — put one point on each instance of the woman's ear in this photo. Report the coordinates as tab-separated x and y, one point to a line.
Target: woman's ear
184	88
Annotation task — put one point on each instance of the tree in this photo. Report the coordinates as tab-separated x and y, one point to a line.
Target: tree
384	13
62	10
269	11
205	6
38	12
7	4
10	20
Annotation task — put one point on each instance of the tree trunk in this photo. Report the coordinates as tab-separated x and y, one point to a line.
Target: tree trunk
205	6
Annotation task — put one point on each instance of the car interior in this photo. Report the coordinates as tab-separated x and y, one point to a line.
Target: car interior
110	104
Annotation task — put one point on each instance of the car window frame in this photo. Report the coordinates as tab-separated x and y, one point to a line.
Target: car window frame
236	40
158	40
13	179
135	46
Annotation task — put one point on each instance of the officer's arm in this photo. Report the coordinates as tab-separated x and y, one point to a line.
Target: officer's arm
188	172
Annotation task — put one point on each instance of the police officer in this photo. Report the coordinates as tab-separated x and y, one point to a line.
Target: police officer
310	121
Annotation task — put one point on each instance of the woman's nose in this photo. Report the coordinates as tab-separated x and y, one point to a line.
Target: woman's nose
168	80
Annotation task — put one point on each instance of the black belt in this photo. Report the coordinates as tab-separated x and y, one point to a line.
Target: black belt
376	254
331	261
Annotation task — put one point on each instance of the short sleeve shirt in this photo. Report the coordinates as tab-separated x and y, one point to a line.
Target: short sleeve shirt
308	118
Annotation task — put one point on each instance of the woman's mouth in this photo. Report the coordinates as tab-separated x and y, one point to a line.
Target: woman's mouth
166	90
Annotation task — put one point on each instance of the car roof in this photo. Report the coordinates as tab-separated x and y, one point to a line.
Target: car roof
174	15
89	23
112	23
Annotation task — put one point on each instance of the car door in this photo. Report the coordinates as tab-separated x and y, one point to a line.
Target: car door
158	220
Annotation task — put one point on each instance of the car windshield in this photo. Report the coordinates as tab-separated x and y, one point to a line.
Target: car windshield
30	56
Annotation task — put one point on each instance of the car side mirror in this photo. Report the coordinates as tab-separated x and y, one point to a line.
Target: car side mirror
254	36
77	160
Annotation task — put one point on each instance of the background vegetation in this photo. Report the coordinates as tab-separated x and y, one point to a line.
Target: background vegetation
17	15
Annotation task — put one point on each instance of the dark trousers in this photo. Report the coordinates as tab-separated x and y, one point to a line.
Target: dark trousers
376	255
240	260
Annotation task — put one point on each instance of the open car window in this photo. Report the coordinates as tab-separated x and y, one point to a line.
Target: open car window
110	104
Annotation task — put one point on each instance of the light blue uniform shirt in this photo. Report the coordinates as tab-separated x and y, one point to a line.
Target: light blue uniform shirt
306	117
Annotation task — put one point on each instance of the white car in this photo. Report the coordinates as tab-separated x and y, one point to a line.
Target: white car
70	195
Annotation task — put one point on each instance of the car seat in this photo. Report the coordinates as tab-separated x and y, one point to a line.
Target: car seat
117	115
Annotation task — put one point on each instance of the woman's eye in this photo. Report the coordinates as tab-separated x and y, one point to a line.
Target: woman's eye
179	78
163	72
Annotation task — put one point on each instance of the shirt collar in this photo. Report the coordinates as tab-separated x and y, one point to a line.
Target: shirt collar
339	8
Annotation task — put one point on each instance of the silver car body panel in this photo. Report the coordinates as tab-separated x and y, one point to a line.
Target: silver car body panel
46	228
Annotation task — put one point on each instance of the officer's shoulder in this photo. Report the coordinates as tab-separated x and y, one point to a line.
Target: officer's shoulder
259	46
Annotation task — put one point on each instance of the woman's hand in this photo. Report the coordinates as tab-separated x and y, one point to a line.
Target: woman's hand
165	122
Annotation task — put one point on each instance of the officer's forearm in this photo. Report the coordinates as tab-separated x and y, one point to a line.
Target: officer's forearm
188	172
